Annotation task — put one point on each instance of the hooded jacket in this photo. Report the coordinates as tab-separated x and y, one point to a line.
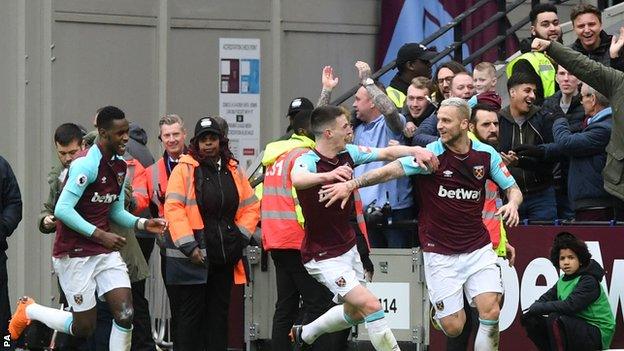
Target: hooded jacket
531	175
580	295
601	53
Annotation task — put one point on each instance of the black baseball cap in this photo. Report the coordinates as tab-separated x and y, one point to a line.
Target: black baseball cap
413	51
299	104
207	125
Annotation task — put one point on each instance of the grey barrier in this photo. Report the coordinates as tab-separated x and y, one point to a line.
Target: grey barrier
398	282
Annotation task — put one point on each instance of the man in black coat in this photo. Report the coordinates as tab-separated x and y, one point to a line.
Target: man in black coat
10	216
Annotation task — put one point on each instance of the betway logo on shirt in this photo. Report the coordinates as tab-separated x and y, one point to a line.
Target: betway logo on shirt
106	199
460	194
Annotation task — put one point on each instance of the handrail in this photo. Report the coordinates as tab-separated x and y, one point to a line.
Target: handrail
392	64
456	46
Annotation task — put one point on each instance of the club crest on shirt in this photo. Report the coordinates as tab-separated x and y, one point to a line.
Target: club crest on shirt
341	282
478	172
78	299
120	178
439	305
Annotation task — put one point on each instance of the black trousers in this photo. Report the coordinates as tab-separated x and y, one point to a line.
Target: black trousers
5	306
293	285
561	332
201	317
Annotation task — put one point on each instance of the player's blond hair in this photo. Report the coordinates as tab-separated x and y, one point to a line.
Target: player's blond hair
460	104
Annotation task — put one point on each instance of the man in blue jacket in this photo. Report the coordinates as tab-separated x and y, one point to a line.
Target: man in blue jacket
586	151
10	216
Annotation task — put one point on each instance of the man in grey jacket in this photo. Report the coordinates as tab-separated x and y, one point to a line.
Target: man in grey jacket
610	83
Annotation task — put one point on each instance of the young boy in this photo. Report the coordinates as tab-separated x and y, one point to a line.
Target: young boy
484	76
575	313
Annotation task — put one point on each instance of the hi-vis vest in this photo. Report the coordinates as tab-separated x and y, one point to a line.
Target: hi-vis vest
282	224
542	66
396	96
186	224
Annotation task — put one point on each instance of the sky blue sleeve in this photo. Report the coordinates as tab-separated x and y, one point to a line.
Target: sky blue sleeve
362	154
410	167
499	172
118	213
303	163
80	176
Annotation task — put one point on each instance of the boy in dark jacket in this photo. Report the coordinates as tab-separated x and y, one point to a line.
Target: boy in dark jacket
574	314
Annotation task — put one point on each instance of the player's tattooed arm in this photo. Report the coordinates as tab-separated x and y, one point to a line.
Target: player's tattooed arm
391	171
332	193
381	100
324	98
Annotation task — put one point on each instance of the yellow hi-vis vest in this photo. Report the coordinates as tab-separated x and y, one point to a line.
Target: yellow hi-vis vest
542	66
396	96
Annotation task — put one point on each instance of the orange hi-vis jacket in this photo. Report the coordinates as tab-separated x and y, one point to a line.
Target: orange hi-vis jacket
282	225
137	177
156	176
186	224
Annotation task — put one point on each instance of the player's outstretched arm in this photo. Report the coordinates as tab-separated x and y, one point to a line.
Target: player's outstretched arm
342	191
424	158
509	211
304	179
329	83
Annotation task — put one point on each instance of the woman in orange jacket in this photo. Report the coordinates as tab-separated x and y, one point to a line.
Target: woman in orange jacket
212	211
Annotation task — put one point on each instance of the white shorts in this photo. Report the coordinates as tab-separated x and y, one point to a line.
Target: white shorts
339	274
450	276
80	277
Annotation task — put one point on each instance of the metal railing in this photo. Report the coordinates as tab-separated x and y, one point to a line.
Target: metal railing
460	38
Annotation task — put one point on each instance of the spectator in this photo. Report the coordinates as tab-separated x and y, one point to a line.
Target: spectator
381	123
484	76
210	242
545	25
68	142
418	105
172	136
522	123
592	41
442	79
575	313
566	101
586	150
413	60
10	216
610	83
296	105
462	86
